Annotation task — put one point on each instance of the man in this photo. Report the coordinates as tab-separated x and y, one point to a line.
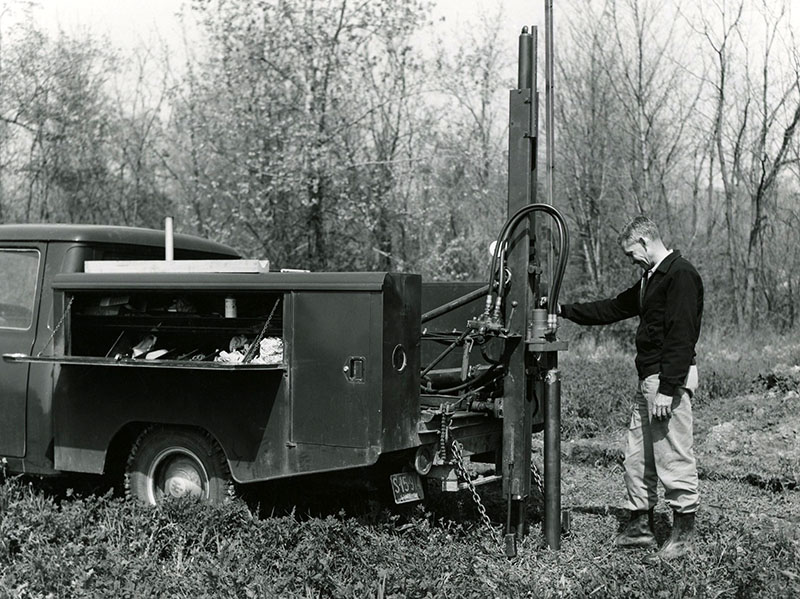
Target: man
669	303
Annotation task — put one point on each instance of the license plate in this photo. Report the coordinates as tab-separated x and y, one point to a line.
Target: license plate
406	487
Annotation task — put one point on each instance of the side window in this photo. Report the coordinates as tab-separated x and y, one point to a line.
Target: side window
18	275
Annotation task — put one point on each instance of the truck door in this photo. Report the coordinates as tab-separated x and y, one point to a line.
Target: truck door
19	291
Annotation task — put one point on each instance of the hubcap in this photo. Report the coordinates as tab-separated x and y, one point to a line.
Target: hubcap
177	472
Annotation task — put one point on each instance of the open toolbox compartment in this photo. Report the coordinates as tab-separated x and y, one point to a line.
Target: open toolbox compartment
201	328
169	328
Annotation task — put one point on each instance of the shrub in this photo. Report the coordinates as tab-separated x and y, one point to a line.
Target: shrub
599	378
597	390
722	377
732	366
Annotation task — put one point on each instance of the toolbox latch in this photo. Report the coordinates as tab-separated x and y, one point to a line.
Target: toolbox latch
354	369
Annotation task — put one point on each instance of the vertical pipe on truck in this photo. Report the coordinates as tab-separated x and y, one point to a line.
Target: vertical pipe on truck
169	242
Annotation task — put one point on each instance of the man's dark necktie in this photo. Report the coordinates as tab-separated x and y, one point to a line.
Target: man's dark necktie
643	288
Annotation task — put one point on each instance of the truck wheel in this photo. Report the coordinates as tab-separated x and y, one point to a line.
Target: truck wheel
173	462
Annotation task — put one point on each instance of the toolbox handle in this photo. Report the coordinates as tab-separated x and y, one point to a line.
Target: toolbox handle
354	369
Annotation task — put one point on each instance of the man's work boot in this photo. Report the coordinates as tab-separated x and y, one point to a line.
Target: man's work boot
680	541
638	532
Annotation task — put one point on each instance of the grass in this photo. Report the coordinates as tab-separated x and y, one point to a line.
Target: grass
56	543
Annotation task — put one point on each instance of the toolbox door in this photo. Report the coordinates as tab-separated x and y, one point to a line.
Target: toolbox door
20	273
335	368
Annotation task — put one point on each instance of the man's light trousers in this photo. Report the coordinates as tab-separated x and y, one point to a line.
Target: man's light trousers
662	450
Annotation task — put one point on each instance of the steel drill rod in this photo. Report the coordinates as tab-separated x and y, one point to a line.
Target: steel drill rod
552	459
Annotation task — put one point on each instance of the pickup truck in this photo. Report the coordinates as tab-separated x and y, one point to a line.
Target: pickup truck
183	380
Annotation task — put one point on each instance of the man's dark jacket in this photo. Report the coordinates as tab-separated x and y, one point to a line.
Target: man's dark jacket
669	320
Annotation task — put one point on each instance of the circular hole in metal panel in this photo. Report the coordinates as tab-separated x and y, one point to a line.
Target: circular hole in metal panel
399	358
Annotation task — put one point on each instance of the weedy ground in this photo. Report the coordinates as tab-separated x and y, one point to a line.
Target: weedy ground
334	538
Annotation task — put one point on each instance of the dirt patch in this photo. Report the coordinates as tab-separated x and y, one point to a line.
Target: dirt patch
755	438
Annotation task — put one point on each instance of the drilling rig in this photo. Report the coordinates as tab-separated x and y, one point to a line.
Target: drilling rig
527	268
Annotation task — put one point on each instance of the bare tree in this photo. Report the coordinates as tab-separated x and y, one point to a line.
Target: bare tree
754	128
138	176
651	87
463	187
588	112
58	119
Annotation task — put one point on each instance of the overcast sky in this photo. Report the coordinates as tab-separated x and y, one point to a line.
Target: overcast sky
131	23
128	23
127	20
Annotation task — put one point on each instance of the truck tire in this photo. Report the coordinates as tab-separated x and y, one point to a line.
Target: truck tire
175	462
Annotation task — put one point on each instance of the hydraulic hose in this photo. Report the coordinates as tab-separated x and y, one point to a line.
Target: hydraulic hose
563	253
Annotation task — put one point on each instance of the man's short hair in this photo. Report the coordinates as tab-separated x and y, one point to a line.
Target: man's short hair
640	226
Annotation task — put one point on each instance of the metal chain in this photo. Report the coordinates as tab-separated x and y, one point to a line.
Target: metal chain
57	327
444	428
536	476
462	471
